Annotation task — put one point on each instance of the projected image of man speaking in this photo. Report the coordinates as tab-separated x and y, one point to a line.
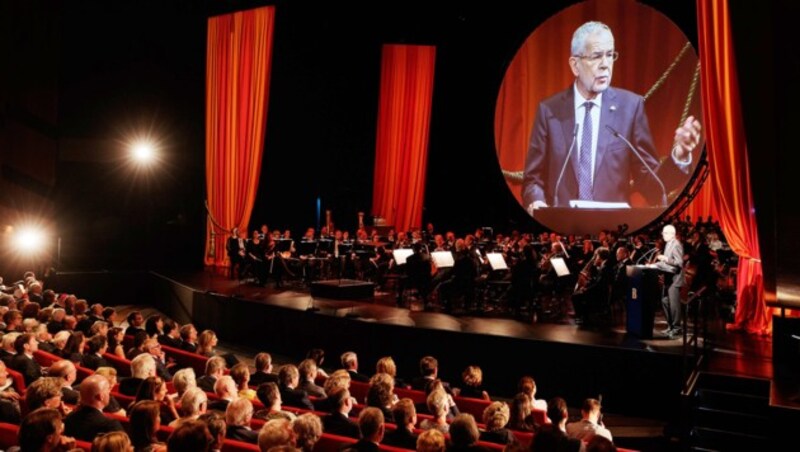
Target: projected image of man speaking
592	142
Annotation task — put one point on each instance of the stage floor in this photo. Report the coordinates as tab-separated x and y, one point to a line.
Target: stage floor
730	352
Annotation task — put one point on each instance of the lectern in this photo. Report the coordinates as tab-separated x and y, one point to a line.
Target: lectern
642	300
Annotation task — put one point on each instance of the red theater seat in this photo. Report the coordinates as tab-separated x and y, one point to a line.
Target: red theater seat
122	365
186	359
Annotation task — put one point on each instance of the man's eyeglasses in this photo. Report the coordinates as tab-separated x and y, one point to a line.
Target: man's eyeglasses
596	57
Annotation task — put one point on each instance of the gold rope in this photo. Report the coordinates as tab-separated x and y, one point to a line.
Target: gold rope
668	71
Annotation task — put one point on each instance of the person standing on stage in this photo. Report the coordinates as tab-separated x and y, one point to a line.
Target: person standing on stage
671	263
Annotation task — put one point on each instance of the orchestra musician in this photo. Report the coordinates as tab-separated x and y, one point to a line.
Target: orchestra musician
236	249
591	292
255	257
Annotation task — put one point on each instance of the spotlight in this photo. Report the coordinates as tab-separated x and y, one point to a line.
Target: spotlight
29	240
143	152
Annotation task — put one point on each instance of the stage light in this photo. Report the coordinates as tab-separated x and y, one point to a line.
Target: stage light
143	152
29	240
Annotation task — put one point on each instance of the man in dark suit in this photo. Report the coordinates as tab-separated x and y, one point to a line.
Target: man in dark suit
263	373
188	338
225	389
288	379
23	362
237	417
215	368
405	416
585	119
671	265
350	364
308	373
371	425
338	422
96	346
88	421
66	371
236	247
142	367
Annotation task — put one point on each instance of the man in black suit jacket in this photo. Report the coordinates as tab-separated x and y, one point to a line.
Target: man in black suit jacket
96	346
405	416
171	336
236	246
188	338
338	423
308	374
66	371
288	379
215	368
88	421
263	373
238	417
26	344
226	390
350	364
142	367
371	425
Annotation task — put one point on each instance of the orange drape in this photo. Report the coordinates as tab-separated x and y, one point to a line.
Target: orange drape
727	154
703	204
238	64
401	150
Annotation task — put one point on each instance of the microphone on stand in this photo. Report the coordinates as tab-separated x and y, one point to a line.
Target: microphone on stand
564	167
641	159
647	254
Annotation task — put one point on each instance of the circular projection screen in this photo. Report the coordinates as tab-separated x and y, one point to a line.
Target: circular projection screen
651	87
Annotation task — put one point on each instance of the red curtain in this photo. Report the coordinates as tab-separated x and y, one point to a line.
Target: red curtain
238	64
727	150
401	150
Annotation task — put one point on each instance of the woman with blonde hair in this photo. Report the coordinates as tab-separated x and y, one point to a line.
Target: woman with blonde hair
495	416
112	442
206	342
473	383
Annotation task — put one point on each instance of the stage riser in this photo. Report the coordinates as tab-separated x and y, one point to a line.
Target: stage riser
632	382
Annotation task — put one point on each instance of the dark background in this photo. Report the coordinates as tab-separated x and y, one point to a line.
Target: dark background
80	77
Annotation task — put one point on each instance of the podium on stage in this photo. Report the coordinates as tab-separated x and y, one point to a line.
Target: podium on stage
642	299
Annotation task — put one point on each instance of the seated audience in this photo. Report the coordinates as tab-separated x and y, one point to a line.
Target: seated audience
226	390
495	417
371	425
350	364
241	376
215	368
188	338
521	418
308	376
276	434
110	374
438	406
338	421
154	388
183	380
590	423
142	367
269	395
41	430
26	345
96	346
45	392
263	373
307	430
217	427
405	416
145	421
193	404
88	421
191	436
473	383
464	434
289	378
431	441
238	417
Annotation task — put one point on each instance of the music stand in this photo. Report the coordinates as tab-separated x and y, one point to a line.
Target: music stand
400	255
443	259
306	248
497	261
283	245
560	266
325	246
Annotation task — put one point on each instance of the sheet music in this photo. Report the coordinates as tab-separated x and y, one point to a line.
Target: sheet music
583	204
560	266
443	259
400	255
496	261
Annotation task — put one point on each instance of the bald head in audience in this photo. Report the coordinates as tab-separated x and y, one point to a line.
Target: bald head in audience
95	392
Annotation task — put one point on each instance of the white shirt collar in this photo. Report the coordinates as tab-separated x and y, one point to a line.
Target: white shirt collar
580	100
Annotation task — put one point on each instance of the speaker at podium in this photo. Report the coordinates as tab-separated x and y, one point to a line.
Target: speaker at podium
642	300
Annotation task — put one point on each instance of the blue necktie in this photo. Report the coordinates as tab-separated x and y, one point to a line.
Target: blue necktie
585	170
